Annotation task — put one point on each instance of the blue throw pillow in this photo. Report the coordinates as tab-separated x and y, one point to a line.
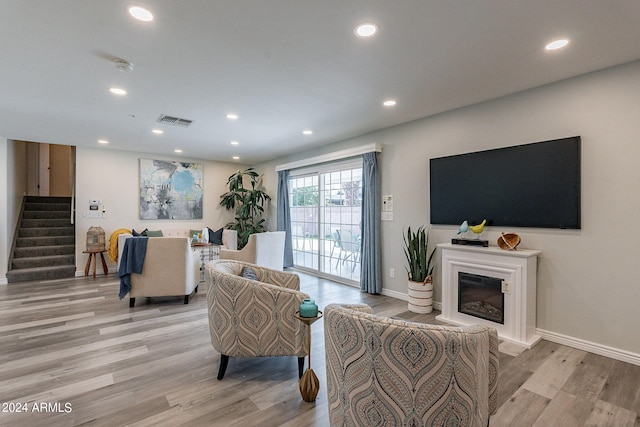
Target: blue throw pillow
248	273
136	234
215	237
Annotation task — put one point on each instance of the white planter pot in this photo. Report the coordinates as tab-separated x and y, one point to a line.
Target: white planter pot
421	296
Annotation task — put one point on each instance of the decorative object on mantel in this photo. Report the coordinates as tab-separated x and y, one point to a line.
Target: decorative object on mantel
508	241
477	229
420	281
464	227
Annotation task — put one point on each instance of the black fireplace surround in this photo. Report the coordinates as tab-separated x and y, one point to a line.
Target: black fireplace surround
481	296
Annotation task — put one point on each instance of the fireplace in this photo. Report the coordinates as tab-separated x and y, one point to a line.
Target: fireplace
481	296
492	287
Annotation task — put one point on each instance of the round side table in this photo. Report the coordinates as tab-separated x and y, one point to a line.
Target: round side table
309	383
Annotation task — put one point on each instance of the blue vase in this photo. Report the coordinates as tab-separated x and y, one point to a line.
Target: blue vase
308	308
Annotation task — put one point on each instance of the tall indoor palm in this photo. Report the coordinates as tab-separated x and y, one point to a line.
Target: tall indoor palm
247	204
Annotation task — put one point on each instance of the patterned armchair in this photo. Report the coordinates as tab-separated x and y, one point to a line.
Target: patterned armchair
382	371
254	318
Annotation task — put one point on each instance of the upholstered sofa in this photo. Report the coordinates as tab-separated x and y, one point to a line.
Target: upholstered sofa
254	317
383	371
264	249
229	238
170	268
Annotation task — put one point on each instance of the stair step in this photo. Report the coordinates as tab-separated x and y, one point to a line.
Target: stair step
47	215
42	261
46	231
41	273
23	242
48	199
35	251
45	222
29	206
45	241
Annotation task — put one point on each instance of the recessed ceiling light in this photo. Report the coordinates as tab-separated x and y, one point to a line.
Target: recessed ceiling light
232	116
235	143
557	44
177	150
103	141
140	13
117	91
389	103
158	131
307	132
366	30
236	158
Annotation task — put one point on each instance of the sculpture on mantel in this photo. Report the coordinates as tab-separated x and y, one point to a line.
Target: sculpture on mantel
464	227
508	241
478	229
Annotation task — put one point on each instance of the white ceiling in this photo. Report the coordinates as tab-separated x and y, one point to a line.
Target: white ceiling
282	66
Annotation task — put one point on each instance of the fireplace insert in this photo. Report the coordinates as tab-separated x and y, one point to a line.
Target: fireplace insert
481	296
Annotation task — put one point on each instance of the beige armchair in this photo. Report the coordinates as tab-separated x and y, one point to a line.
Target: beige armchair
170	268
263	249
383	371
254	318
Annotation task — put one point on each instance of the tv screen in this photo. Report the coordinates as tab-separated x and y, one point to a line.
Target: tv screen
530	185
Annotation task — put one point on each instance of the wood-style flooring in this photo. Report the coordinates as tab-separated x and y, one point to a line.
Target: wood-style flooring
72	354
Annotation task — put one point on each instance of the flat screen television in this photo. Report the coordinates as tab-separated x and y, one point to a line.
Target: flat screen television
531	185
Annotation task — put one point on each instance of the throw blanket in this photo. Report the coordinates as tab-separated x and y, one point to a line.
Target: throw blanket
135	248
113	243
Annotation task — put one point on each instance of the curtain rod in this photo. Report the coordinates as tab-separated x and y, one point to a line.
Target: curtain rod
330	157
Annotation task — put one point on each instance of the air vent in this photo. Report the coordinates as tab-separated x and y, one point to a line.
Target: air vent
175	121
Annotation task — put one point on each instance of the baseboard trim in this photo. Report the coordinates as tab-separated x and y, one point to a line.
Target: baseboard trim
395	294
4	281
591	347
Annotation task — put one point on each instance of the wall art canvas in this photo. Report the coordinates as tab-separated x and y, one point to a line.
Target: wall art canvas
170	190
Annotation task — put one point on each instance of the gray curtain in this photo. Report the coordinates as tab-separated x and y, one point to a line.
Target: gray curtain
371	266
284	216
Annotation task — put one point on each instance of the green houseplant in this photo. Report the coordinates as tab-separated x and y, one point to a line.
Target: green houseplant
246	203
420	269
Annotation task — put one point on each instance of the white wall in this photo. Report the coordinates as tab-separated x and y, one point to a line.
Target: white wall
588	286
12	189
113	177
4	196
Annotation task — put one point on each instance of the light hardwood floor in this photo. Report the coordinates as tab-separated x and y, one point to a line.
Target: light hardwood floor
73	344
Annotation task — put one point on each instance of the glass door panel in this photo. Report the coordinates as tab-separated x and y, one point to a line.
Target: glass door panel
326	210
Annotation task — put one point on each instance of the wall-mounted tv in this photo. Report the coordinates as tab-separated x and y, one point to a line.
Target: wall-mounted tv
531	185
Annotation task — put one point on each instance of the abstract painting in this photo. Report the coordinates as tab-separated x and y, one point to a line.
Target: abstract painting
170	190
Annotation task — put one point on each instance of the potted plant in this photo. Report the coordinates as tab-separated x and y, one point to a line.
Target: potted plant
419	271
246	203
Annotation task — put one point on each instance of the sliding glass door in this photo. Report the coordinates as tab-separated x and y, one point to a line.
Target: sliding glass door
326	209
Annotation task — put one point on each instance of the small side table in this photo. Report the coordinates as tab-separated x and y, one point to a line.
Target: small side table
94	255
309	383
208	252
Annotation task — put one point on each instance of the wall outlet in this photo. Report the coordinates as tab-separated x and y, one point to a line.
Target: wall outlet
506	287
392	272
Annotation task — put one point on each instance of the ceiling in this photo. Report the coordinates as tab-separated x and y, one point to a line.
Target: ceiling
283	66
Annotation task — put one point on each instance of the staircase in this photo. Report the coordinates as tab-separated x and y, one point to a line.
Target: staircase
45	243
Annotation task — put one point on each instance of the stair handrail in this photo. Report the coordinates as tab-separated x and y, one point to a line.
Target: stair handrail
73	200
15	233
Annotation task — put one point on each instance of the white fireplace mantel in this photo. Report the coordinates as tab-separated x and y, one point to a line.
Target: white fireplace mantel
517	270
